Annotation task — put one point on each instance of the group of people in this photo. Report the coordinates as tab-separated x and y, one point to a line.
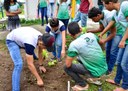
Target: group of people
85	46
114	21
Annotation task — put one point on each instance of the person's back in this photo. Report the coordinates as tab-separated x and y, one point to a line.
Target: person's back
84	6
24	35
90	53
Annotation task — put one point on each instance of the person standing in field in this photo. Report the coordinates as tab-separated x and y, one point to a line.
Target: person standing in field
12	10
43	8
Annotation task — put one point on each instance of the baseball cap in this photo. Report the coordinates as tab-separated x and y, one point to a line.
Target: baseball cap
48	41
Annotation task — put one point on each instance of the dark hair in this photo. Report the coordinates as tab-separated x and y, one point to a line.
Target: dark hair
7	4
54	22
73	28
107	1
61	1
93	12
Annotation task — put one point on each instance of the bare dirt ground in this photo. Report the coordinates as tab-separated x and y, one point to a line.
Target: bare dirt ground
52	78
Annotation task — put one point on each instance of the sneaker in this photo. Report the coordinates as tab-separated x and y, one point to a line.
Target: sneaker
59	59
54	58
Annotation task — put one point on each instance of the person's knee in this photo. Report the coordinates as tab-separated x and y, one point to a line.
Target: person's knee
66	69
124	67
19	65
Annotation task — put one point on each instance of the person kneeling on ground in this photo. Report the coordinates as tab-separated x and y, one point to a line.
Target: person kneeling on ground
92	59
27	38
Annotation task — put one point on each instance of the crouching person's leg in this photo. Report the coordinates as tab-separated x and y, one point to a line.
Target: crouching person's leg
74	71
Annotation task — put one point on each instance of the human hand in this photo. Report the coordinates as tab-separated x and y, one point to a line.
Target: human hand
100	35
42	69
88	31
102	41
121	44
40	83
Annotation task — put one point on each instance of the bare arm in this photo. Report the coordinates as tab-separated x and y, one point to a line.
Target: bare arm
111	35
32	68
122	42
9	13
40	55
17	12
91	4
68	61
56	12
63	43
107	28
41	59
100	29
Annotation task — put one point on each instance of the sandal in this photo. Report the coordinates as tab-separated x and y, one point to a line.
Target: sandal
96	82
120	89
112	82
79	88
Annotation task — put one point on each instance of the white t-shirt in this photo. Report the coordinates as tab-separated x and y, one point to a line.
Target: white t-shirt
61	28
24	35
107	17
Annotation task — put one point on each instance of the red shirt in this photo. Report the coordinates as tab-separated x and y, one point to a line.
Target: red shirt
84	6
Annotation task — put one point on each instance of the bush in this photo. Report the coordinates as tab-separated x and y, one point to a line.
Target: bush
30	22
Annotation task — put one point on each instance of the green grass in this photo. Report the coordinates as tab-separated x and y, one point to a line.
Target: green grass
105	86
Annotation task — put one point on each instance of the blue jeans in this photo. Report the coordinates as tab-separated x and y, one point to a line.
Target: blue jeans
44	13
14	51
112	51
38	10
122	67
81	16
101	7
58	44
51	5
65	21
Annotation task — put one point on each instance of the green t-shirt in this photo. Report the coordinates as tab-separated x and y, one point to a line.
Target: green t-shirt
78	2
120	19
90	53
43	3
63	12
